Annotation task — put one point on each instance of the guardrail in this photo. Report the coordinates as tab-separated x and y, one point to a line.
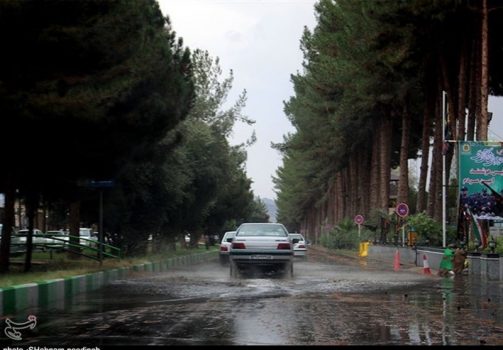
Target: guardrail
82	249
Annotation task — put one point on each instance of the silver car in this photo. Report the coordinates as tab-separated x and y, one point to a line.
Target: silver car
299	244
261	245
225	246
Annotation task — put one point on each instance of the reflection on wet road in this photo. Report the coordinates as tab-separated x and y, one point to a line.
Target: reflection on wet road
328	302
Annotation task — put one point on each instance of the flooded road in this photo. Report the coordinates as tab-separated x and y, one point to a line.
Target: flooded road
327	302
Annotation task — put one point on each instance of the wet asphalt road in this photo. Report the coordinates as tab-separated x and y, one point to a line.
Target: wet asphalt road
328	302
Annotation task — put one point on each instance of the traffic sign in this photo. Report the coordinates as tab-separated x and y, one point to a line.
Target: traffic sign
402	209
359	219
101	184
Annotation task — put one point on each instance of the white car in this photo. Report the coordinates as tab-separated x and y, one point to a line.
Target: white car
299	244
89	239
59	239
17	247
39	240
261	245
225	246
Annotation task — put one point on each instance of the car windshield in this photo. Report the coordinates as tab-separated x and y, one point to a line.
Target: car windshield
295	235
273	230
85	232
228	235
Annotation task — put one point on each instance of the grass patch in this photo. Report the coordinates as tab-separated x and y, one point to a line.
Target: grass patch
60	266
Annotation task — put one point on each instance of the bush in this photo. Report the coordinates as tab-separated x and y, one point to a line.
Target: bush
426	228
499	246
344	236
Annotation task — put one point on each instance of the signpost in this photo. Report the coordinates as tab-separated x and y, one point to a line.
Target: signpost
359	219
100	185
402	210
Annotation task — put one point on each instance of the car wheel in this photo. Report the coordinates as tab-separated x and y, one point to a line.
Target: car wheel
289	269
223	260
234	269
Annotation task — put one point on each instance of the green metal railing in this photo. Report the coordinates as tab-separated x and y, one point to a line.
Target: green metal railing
81	248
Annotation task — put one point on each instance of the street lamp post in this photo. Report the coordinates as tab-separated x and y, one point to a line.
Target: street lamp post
444	243
100	185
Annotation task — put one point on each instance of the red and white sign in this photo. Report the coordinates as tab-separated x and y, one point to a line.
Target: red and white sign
359	219
402	209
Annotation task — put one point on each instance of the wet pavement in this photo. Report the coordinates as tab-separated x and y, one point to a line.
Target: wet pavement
328	302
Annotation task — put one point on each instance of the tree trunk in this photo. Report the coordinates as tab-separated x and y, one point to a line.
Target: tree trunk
73	252
323	214
334	201
375	172
460	134
339	192
347	192
31	207
474	87
385	163
364	183
8	224
403	183
353	185
482	125
330	203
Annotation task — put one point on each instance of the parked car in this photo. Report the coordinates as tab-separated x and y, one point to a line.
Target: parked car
17	247
59	238
299	244
86	233
39	240
261	245
225	246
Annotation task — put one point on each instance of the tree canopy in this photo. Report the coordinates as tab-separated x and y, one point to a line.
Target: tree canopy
369	99
104	90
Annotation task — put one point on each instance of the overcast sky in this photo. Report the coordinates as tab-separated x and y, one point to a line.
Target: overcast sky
259	40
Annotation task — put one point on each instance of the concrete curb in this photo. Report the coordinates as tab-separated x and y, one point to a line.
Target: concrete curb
483	265
56	291
407	260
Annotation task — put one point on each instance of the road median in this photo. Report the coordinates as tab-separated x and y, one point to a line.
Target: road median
55	292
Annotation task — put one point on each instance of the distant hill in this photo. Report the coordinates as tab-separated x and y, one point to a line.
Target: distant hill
271	208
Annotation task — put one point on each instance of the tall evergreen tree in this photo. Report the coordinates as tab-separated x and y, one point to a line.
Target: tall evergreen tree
86	85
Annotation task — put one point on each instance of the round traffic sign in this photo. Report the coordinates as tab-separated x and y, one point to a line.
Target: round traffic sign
359	219
402	209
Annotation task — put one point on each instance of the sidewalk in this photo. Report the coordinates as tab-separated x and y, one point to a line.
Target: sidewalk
353	256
